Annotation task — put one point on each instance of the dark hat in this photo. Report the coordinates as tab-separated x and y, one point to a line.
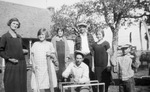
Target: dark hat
125	46
82	25
78	52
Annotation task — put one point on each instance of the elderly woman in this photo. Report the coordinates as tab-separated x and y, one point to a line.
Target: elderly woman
11	49
100	53
62	51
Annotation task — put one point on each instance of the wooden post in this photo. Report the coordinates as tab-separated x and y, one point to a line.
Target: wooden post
3	70
148	35
146	28
49	61
30	42
32	61
140	35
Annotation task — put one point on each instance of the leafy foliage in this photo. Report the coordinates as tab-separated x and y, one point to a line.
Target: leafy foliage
102	13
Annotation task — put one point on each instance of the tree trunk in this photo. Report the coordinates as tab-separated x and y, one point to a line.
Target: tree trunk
114	48
115	39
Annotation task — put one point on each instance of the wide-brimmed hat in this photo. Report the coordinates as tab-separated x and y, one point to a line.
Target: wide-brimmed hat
82	25
78	52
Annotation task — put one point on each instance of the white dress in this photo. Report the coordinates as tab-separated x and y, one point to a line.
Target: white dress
39	50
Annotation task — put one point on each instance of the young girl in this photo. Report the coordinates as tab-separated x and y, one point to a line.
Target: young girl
39	51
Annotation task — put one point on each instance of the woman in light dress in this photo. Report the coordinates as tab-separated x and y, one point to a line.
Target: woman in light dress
39	52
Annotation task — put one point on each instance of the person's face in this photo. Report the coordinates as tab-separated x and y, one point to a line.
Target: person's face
60	33
14	25
42	36
79	59
99	35
83	29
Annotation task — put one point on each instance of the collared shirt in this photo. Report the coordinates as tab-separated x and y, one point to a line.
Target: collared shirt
125	63
80	73
84	45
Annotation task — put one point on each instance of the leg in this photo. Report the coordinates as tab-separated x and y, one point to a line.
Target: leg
129	85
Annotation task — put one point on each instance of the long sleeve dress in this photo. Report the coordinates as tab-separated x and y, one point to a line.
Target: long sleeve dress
39	50
15	73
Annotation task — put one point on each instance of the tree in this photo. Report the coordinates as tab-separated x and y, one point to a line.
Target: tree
70	16
118	12
111	13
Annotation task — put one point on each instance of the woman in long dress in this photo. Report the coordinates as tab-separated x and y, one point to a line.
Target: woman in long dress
100	49
62	51
39	51
11	49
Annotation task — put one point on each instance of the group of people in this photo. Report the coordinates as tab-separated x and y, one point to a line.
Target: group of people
91	60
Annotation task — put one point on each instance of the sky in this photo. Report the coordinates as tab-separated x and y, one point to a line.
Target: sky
44	3
123	33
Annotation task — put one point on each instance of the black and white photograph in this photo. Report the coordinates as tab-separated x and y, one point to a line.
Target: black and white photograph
74	45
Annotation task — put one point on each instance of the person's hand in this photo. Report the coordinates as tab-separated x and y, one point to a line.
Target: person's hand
93	69
25	51
48	53
76	80
67	59
34	68
13	60
108	68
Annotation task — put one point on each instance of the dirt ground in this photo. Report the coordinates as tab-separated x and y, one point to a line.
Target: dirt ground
140	85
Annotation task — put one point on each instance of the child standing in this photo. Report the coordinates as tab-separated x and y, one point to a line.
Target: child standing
126	73
39	52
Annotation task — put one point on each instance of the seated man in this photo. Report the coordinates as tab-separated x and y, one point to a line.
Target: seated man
79	71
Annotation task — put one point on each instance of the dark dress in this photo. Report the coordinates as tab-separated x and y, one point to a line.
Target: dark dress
60	47
100	63
15	74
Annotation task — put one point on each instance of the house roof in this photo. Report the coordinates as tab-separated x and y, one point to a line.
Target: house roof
31	18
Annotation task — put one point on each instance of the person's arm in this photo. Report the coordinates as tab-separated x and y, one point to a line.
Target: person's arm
75	44
3	48
114	59
85	76
24	47
52	54
3	45
90	40
107	46
67	50
67	71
